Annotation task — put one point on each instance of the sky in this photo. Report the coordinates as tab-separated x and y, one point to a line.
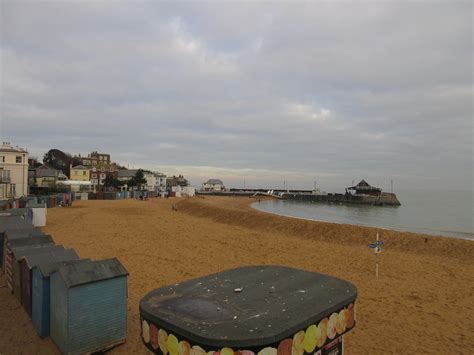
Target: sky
259	94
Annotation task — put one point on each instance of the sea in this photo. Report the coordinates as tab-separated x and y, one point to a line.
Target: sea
443	213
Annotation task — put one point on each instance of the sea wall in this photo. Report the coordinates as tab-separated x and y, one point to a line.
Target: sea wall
385	199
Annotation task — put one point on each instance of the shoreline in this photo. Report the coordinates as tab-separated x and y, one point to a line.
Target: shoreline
456	235
419	285
243	215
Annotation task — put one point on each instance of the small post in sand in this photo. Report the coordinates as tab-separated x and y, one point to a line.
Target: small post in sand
377	246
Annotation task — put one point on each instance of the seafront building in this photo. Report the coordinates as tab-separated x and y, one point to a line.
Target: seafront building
213	185
13	171
80	173
155	181
176	181
99	166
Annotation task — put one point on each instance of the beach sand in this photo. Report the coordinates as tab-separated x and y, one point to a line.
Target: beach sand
422	302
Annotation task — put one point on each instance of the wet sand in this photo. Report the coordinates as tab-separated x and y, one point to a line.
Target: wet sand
422	302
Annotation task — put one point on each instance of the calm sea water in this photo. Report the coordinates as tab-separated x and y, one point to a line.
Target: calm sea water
446	213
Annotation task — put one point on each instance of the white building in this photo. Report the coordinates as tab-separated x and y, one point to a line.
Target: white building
213	185
13	171
188	191
155	182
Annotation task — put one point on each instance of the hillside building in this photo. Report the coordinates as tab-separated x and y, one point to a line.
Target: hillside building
13	171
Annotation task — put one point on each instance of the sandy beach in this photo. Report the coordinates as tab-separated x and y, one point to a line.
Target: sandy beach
422	302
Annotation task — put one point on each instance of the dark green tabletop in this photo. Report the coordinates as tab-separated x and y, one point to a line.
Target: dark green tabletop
246	307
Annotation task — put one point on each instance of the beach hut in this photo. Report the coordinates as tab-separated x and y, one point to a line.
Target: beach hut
11	223
31	199
39	212
23	238
24	213
89	306
13	267
41	305
30	261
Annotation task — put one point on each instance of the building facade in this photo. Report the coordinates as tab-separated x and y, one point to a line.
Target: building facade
13	171
99	165
46	176
80	173
94	159
213	185
155	182
176	181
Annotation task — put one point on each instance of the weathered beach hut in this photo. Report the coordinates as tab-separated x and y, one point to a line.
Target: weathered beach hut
13	267
24	238
89	306
41	305
39	212
30	261
24	213
11	223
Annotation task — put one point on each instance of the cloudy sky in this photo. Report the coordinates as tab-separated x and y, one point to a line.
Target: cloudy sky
329	91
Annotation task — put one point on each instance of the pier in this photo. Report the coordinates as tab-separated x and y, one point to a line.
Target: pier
362	193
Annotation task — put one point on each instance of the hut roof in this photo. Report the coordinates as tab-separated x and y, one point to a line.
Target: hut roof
51	255
22	233
21	252
48	267
14	212
36	205
29	240
14	222
84	273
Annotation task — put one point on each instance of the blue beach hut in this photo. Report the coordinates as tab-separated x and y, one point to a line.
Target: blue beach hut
13	267
32	260
23	238
41	300
89	306
11	223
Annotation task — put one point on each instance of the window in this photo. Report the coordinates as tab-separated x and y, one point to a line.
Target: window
94	170
102	176
2	159
84	173
18	159
102	169
94	176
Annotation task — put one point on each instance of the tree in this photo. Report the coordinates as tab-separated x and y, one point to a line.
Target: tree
138	179
111	181
58	160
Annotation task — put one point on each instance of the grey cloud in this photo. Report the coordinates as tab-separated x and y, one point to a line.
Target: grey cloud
336	90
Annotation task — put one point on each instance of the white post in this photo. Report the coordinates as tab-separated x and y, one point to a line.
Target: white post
377	258
376	265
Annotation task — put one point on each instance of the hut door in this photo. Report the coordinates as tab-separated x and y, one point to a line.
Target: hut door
26	287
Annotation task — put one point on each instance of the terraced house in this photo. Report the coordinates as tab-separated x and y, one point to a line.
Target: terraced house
13	171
